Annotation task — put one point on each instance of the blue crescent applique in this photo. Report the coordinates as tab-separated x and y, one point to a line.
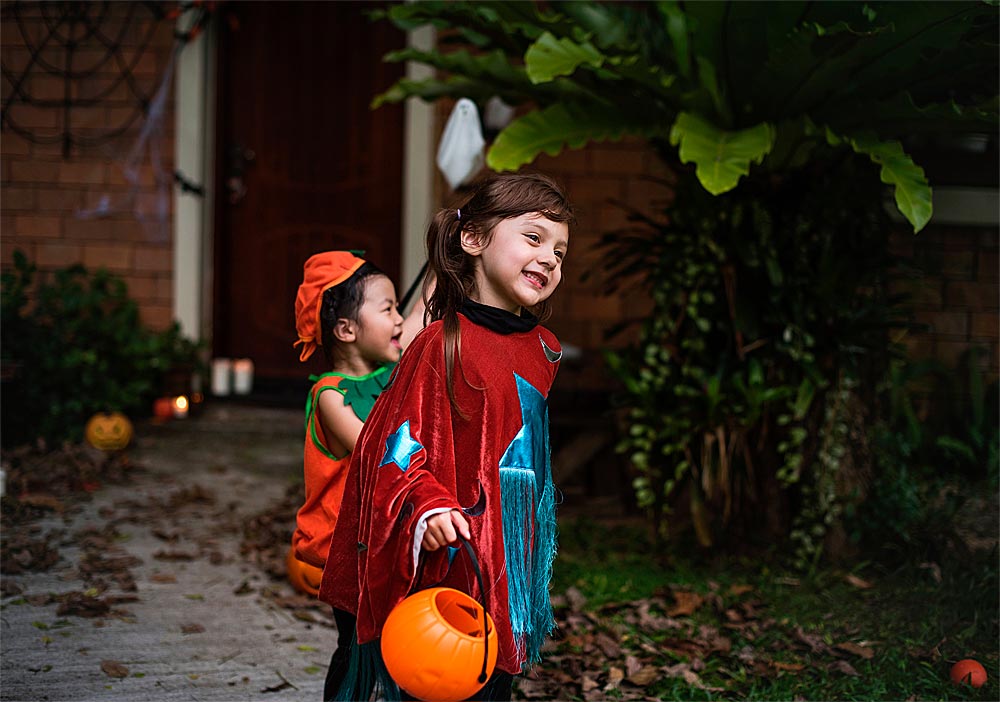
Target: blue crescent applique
400	447
527	450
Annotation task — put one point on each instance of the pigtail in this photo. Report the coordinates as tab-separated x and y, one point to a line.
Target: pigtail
453	276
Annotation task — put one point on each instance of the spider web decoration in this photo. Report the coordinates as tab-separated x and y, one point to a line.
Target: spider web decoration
81	44
77	41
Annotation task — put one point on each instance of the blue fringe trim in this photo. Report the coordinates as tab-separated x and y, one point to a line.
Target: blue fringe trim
365	671
529	535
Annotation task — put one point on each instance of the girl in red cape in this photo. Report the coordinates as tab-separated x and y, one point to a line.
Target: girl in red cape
458	443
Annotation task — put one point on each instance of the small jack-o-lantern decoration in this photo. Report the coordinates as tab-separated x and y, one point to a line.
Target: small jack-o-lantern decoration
304	577
439	644
109	431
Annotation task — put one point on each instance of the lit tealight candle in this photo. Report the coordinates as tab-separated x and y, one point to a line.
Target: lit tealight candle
180	406
242	376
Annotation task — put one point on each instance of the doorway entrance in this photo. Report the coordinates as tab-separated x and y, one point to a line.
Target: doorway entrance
303	166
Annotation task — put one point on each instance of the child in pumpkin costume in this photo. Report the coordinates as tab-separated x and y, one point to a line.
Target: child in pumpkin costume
458	442
347	307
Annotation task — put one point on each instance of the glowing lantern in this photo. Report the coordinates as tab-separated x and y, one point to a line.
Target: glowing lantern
108	431
439	644
180	406
304	577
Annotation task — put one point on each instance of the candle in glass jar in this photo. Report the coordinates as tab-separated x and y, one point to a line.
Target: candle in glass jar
221	371
180	407
242	376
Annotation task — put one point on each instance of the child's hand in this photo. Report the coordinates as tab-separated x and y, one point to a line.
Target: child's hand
443	529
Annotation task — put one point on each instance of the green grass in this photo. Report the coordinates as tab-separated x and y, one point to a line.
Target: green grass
916	626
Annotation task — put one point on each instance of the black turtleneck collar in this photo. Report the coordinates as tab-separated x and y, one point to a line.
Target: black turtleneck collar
496	319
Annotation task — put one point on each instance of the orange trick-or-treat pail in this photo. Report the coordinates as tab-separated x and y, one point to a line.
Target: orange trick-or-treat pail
435	647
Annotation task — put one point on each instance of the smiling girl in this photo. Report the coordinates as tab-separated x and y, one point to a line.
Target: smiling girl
458	442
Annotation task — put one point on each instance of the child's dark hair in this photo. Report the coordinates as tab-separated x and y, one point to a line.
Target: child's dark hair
343	301
492	200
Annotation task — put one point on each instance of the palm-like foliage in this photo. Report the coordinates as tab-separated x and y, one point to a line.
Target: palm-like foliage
731	85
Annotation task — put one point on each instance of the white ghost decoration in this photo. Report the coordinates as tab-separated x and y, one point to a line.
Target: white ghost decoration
460	154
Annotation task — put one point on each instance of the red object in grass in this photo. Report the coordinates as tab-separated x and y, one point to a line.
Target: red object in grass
163	408
968	671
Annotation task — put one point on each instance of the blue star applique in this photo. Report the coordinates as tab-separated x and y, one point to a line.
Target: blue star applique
527	450
400	447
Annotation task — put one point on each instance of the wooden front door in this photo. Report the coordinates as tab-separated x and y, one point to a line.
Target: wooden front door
303	165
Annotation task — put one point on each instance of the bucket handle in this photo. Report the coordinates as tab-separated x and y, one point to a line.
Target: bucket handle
482	593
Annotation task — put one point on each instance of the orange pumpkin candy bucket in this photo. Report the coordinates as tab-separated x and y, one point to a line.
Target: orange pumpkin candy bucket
440	643
304	577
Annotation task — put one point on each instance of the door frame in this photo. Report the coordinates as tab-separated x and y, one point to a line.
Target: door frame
194	156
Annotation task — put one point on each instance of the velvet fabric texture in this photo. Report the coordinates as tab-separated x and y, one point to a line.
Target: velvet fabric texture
416	453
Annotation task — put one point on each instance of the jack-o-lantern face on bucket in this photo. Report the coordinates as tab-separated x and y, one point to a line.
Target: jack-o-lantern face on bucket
109	431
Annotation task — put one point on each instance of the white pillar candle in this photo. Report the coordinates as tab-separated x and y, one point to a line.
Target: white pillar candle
242	376
221	369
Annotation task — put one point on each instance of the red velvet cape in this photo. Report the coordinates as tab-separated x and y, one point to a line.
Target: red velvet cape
415	453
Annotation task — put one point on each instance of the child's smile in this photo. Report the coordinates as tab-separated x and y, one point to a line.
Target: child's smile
522	264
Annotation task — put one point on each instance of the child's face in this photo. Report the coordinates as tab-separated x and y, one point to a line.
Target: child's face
379	323
522	264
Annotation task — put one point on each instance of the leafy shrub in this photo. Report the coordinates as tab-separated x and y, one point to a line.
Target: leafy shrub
74	345
935	447
770	316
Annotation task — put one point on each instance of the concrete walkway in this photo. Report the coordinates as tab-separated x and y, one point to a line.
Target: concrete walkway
203	622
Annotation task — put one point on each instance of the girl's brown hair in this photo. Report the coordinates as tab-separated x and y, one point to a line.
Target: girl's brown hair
492	200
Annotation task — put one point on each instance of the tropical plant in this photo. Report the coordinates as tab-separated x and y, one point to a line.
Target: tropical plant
767	271
729	85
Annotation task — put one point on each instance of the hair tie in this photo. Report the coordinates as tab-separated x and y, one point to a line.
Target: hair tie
458	213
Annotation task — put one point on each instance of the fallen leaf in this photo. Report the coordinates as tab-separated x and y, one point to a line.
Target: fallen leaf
192	629
163	578
687	603
738	590
813	641
615	677
632	666
857	582
589	683
856	649
644	676
173	556
114	669
782	665
611	648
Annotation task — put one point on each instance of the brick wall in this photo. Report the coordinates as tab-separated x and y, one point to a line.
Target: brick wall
955	293
44	189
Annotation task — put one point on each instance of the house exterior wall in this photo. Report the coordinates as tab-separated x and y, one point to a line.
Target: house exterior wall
44	191
953	291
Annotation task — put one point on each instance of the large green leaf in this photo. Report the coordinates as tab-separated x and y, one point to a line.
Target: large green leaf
549	57
911	190
558	127
721	157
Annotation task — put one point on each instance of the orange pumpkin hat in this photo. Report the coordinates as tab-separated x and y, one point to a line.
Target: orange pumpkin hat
320	273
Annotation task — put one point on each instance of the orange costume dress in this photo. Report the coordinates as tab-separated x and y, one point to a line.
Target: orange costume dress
325	473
